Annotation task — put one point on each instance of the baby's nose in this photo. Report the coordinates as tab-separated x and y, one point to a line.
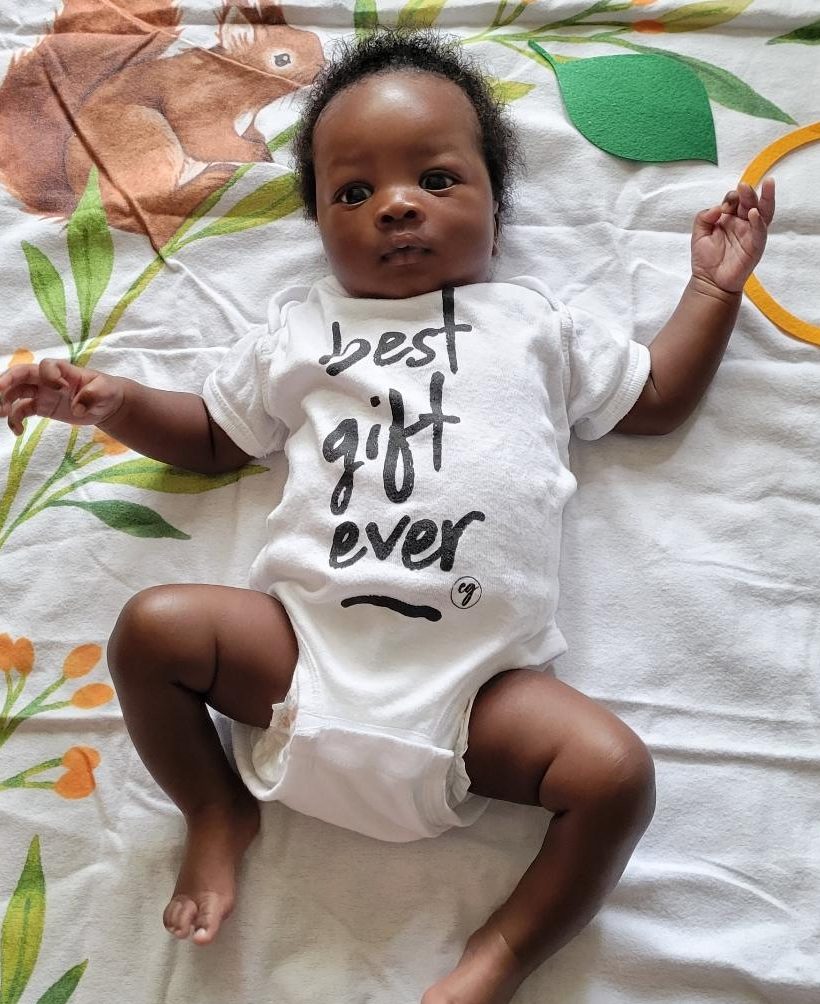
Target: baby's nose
398	205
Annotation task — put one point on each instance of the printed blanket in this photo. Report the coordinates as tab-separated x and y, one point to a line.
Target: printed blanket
147	212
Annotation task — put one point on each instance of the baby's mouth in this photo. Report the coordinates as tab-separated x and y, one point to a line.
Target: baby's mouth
405	251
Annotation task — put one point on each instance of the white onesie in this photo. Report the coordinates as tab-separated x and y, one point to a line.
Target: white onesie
416	545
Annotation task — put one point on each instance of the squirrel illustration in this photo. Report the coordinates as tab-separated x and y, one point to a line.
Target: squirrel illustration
162	130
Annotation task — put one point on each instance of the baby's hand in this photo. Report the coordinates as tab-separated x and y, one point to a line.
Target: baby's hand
55	388
728	240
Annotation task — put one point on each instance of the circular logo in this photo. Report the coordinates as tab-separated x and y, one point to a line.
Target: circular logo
466	592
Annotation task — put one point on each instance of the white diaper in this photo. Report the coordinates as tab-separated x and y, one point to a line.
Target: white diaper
384	783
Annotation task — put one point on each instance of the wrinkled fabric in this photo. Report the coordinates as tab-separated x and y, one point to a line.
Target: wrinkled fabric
690	566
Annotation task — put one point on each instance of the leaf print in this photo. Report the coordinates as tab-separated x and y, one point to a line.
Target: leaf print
809	34
365	17
60	992
22	937
136	520
22	928
508	90
155	476
48	289
695	16
271	201
725	88
420	13
90	250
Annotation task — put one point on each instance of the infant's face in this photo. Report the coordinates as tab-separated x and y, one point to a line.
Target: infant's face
404	200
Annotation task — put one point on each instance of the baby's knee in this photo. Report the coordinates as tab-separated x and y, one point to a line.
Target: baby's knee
626	779
149	618
609	775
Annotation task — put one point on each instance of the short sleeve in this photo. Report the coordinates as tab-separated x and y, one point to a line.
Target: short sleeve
607	373
237	393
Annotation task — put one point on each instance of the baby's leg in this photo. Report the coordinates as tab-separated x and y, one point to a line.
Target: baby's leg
175	649
536	741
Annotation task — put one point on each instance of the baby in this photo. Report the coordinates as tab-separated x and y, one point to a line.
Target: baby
385	672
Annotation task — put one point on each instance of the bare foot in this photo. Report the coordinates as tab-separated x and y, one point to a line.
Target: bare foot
487	973
204	894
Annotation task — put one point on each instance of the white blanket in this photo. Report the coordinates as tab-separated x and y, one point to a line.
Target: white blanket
690	574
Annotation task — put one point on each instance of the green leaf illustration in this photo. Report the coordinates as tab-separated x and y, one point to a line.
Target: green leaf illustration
59	992
281	138
725	88
271	201
136	520
420	13
158	477
90	250
809	34
508	90
705	14
646	108
365	17
23	928
48	288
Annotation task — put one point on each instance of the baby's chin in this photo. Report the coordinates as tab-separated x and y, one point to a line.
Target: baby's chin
406	284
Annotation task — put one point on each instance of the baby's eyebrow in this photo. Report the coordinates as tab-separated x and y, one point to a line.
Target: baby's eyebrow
355	162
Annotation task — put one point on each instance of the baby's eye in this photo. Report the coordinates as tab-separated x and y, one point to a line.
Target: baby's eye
437	181
354	194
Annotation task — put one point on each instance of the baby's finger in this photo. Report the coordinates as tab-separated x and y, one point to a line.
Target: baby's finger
748	200
14	394
51	374
19	374
22	408
705	221
767	200
758	225
730	201
94	397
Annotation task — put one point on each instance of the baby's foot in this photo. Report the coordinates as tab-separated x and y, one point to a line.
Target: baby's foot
204	895
487	973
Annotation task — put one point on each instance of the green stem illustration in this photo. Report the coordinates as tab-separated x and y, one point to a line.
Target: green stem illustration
84	349
34	707
21	780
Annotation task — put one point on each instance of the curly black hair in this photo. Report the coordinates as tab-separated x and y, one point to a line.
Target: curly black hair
388	50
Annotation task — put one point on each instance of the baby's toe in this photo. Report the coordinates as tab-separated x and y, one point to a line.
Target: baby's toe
179	915
213	909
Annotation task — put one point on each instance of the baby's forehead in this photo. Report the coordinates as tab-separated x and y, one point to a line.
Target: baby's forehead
406	90
430	102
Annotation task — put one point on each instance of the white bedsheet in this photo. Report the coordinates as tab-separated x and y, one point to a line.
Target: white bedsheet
690	581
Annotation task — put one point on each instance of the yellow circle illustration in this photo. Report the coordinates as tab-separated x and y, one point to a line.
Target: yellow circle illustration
759	296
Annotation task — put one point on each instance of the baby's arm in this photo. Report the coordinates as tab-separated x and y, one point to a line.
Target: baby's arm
169	426
727	243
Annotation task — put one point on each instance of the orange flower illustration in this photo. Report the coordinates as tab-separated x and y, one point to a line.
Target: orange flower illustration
642	3
17	655
78	780
92	695
19	707
81	661
79	762
21	356
652	27
109	444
